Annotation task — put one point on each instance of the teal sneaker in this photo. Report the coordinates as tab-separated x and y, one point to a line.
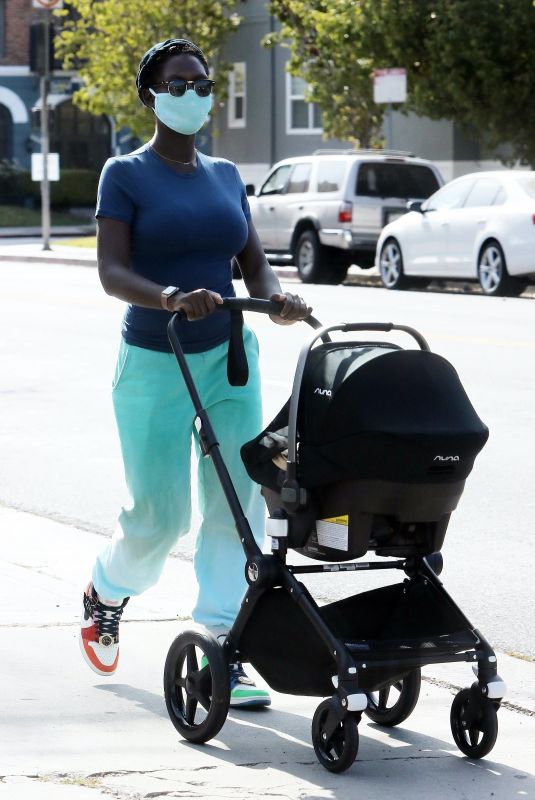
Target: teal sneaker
244	691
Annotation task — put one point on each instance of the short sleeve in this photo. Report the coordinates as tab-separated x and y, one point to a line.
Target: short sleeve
113	197
243	195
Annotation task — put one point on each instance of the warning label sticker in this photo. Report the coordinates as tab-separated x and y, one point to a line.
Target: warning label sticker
333	532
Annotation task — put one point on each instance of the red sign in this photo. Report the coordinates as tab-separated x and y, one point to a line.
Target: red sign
48	4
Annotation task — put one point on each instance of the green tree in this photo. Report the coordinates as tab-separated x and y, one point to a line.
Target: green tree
469	61
105	39
328	51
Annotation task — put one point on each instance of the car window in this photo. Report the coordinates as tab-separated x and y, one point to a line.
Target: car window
277	180
450	196
500	197
299	179
482	193
330	175
528	185
404	181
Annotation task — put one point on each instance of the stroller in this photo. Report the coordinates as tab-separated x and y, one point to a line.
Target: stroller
370	453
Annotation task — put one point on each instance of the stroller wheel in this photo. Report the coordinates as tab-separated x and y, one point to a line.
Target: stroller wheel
474	722
395	702
338	751
196	686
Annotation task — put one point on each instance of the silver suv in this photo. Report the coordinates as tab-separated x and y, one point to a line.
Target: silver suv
326	210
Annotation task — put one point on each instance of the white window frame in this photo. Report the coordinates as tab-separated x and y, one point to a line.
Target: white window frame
233	120
289	99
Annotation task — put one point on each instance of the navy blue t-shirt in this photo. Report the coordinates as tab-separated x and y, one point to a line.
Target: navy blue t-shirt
185	230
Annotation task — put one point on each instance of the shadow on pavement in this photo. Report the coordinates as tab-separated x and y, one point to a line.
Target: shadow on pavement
282	740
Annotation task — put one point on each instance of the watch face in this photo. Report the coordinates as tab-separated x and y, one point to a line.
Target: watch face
169	291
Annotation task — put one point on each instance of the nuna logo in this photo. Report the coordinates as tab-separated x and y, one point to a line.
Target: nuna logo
446	458
323	392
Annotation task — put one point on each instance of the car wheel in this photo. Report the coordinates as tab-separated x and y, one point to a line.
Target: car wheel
312	262
391	266
492	273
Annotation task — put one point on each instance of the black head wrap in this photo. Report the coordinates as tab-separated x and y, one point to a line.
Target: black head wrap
158	50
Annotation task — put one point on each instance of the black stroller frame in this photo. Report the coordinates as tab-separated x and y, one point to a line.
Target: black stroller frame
354	670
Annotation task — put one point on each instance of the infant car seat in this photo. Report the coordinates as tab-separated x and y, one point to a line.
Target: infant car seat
385	440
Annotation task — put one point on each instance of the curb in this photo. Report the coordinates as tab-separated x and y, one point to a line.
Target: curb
355	277
56	230
67	261
41	258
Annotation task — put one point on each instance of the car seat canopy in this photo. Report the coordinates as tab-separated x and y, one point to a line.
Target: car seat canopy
385	414
374	412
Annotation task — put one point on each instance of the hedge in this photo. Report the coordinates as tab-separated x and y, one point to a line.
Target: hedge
75	188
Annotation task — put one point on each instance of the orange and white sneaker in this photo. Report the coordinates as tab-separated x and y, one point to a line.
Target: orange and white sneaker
99	635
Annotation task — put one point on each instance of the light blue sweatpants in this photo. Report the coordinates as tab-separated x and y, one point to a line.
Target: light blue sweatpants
155	416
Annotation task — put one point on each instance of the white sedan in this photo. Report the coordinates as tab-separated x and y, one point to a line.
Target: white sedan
477	227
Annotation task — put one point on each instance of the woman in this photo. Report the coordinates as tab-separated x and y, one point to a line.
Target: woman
170	220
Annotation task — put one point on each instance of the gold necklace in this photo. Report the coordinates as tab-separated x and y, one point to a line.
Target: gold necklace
174	160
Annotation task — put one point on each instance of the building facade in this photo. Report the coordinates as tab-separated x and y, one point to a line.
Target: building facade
82	140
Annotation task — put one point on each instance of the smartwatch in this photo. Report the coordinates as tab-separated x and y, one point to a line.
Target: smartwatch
166	296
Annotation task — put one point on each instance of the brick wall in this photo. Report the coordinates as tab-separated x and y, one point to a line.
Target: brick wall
18	15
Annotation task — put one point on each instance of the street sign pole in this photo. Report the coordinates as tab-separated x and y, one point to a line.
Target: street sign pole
389	86
389	133
44	84
45	138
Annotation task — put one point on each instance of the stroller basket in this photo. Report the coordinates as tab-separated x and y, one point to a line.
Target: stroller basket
392	629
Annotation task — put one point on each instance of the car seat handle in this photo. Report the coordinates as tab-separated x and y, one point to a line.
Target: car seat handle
386	327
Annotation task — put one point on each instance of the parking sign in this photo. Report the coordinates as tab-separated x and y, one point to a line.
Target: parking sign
389	85
48	4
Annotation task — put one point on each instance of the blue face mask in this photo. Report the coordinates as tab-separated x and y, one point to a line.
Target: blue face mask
186	114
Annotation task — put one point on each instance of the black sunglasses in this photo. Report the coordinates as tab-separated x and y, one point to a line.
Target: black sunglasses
177	87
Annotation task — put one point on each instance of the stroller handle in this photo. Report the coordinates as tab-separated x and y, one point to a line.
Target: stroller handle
252	304
260	307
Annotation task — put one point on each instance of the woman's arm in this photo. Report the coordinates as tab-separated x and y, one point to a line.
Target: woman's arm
116	277
113	256
262	282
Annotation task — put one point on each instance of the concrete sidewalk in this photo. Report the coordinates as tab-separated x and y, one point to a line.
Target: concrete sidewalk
68	733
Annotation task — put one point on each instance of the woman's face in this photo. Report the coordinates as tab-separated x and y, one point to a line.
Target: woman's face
179	65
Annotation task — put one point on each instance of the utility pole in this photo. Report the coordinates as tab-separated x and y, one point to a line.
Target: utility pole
45	136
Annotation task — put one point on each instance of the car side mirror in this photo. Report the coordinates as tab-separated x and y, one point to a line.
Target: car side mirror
249	189
415	205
